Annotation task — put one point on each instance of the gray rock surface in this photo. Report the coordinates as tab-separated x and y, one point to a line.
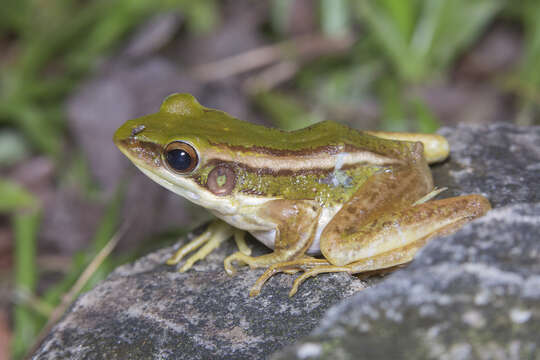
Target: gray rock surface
471	295
149	310
500	161
474	294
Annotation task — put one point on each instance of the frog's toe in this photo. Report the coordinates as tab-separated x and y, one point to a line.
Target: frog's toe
210	245
289	267
189	247
314	272
240	239
210	239
239	257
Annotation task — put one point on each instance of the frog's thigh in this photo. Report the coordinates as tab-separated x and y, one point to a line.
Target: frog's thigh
296	223
395	236
380	194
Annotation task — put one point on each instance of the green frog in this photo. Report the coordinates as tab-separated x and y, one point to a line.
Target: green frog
326	198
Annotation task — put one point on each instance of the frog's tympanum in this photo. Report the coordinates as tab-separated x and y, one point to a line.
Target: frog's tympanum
326	198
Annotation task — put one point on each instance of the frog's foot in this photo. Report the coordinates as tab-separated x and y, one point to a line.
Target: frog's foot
217	232
381	263
306	263
313	267
255	262
316	271
241	259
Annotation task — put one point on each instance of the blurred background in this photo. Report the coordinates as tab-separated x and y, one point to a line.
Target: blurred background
72	71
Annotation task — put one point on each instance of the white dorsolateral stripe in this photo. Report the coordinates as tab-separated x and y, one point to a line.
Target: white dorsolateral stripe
305	162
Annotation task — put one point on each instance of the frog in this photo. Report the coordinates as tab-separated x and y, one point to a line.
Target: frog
324	199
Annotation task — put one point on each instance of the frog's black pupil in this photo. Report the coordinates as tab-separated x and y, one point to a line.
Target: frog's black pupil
178	159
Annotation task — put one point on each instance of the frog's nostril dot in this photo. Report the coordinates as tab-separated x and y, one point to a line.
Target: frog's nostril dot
137	130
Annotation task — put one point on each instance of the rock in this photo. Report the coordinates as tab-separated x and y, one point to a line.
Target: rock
500	161
148	309
471	294
474	294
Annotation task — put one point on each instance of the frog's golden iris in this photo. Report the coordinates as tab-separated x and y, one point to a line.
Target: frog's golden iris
366	205
181	157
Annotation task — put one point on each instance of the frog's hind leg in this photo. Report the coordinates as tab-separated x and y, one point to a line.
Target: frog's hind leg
381	262
405	232
217	232
395	242
313	267
396	229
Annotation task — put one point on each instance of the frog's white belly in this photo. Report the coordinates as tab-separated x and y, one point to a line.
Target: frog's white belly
265	231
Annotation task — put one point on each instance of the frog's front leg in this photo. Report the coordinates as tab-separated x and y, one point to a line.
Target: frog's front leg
216	232
296	222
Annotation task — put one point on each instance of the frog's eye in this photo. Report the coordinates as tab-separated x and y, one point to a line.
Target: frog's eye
181	157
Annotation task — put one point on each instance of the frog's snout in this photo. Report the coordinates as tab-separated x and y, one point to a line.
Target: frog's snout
120	135
140	152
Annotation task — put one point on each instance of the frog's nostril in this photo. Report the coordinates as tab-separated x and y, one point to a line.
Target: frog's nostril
137	130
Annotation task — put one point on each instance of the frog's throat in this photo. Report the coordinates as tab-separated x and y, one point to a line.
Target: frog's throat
189	189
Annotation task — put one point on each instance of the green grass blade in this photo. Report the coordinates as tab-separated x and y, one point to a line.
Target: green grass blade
13	197
391	40
530	69
470	18
426	28
335	17
426	120
403	14
394	116
285	112
26	225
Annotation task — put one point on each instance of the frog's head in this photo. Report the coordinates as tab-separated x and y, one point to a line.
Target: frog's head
173	147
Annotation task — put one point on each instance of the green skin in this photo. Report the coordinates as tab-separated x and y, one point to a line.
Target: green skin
358	198
207	128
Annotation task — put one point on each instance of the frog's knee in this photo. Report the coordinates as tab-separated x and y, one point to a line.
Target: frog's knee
332	250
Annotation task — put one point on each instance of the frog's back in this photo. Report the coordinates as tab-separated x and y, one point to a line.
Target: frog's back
181	117
329	133
324	137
